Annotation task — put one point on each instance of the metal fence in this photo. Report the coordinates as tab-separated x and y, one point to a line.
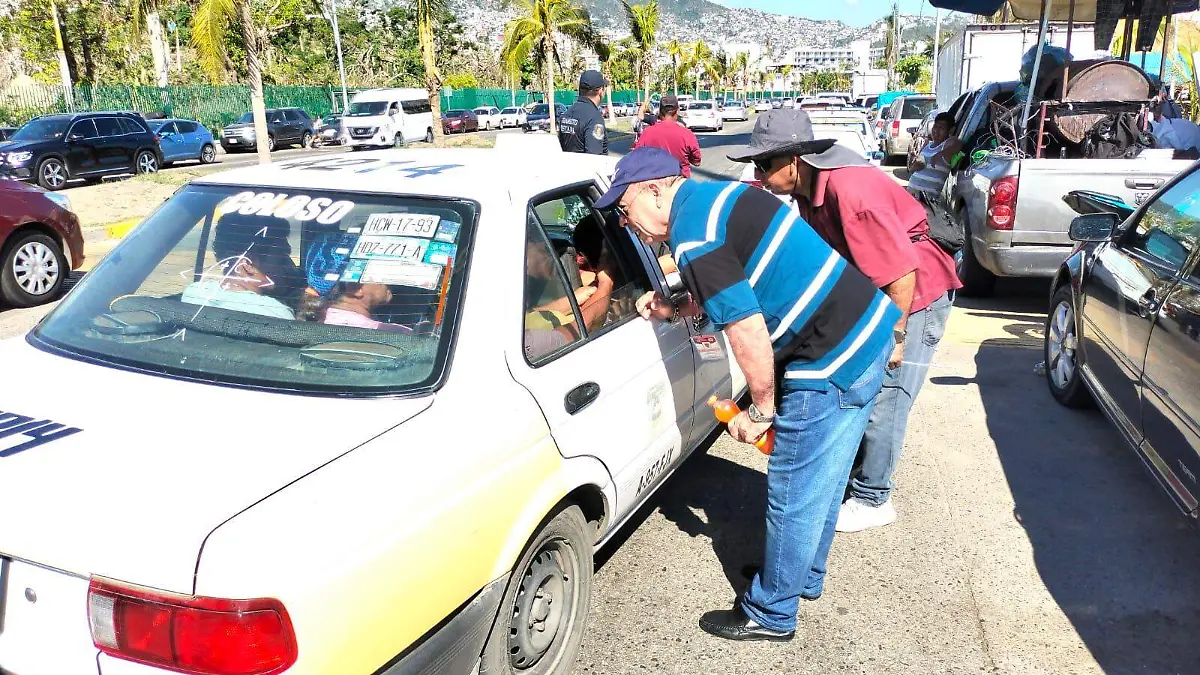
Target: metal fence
216	106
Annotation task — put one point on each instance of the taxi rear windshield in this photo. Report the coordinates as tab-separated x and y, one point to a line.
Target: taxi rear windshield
296	290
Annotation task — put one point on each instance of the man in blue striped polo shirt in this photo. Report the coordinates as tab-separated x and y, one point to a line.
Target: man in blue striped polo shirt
798	319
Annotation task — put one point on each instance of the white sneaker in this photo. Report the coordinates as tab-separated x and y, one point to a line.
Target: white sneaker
857	515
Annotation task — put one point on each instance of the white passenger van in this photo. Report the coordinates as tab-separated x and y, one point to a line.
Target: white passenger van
387	117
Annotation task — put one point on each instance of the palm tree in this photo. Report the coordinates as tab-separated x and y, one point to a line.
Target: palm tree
741	62
209	24
718	69
699	58
643	27
427	13
787	77
147	11
534	33
677	51
604	52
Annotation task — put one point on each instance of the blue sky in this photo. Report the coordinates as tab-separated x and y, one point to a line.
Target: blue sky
853	12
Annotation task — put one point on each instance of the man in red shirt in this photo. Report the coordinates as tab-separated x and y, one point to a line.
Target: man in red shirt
869	219
670	135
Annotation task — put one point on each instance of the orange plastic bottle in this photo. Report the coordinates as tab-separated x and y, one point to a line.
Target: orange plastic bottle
725	410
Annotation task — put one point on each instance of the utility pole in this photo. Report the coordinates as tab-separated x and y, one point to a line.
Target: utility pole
895	53
64	70
337	41
937	40
174	28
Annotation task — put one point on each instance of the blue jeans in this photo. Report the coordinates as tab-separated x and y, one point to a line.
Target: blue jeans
884	440
816	437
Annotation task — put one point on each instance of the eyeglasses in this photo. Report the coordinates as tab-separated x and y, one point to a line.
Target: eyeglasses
622	211
764	165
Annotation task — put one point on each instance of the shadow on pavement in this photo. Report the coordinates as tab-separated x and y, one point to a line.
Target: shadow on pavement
1114	553
712	497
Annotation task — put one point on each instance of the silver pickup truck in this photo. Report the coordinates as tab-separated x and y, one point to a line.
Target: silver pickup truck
1012	210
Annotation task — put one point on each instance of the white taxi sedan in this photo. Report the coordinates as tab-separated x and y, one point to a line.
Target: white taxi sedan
342	415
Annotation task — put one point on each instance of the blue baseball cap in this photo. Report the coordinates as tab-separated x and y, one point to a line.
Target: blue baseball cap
639	165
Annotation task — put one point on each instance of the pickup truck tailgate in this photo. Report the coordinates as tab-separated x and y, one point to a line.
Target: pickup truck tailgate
1043	217
43	622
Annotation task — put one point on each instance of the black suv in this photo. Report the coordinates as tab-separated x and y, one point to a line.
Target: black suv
54	149
285	126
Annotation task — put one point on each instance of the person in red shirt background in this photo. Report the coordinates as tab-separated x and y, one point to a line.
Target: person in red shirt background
878	227
670	135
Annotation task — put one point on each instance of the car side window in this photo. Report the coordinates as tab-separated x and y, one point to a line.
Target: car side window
1169	227
168	128
186	127
108	126
275	118
551	314
132	126
83	129
291	116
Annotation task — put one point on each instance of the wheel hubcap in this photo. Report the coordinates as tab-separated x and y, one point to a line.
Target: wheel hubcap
53	173
35	268
1061	345
209	153
147	164
542	606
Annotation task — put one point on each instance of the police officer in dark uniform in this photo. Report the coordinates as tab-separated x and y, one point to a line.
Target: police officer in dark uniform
581	128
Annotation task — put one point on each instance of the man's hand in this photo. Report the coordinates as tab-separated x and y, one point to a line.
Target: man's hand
897	356
583	293
653	305
744	430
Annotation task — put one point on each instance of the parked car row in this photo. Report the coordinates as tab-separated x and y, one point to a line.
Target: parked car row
53	149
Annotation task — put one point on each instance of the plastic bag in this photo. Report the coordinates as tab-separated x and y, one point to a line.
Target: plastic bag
1052	58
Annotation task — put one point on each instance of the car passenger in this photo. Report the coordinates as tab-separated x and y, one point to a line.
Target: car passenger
257	268
935	157
549	318
354	304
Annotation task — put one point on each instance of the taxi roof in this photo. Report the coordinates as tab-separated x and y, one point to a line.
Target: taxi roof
477	174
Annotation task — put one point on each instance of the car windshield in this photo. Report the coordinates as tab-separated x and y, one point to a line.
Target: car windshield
455	113
509	111
699	106
247	118
540	109
299	290
366	108
43	129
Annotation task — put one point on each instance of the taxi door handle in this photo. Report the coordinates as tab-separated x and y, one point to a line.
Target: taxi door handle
1143	183
581	397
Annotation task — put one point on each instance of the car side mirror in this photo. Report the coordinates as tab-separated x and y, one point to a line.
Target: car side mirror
75	137
1093	227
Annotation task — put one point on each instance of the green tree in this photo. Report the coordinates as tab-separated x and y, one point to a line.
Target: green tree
678	53
699	57
426	13
533	33
461	81
910	68
643	28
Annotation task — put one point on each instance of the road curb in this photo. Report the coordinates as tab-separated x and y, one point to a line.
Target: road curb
115	231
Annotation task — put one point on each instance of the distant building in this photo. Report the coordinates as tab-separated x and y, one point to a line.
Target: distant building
819	58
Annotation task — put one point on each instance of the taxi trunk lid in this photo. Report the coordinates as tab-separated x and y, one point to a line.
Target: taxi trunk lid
142	468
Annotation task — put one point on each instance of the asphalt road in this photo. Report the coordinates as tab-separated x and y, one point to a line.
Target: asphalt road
1030	539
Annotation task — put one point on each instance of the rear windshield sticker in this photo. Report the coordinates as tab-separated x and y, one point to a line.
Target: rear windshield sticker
447	232
389	248
440	253
354	270
402	273
405	224
300	207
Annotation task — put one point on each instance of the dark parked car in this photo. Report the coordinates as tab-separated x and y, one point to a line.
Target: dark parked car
54	149
460	121
538	118
37	232
7	132
1124	327
182	140
285	126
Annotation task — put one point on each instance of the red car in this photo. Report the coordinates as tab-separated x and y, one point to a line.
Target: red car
37	232
459	121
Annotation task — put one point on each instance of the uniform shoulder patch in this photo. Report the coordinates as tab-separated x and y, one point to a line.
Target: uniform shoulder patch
598	132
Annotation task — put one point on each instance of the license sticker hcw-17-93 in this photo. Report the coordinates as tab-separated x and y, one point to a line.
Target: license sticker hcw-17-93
402	224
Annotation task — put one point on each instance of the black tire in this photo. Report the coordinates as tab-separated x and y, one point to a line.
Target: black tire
398	141
208	154
145	162
52	174
429	135
1060	349
306	140
271	142
977	280
556	565
27	290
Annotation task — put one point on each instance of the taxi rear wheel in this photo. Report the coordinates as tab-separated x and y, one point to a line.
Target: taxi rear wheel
541	619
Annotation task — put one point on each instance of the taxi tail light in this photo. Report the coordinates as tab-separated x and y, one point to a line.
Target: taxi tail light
895	128
191	634
1002	202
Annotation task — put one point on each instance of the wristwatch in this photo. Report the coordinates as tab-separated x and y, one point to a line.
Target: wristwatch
757	417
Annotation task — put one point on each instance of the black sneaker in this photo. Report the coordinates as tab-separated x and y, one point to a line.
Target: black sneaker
749	571
733	624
